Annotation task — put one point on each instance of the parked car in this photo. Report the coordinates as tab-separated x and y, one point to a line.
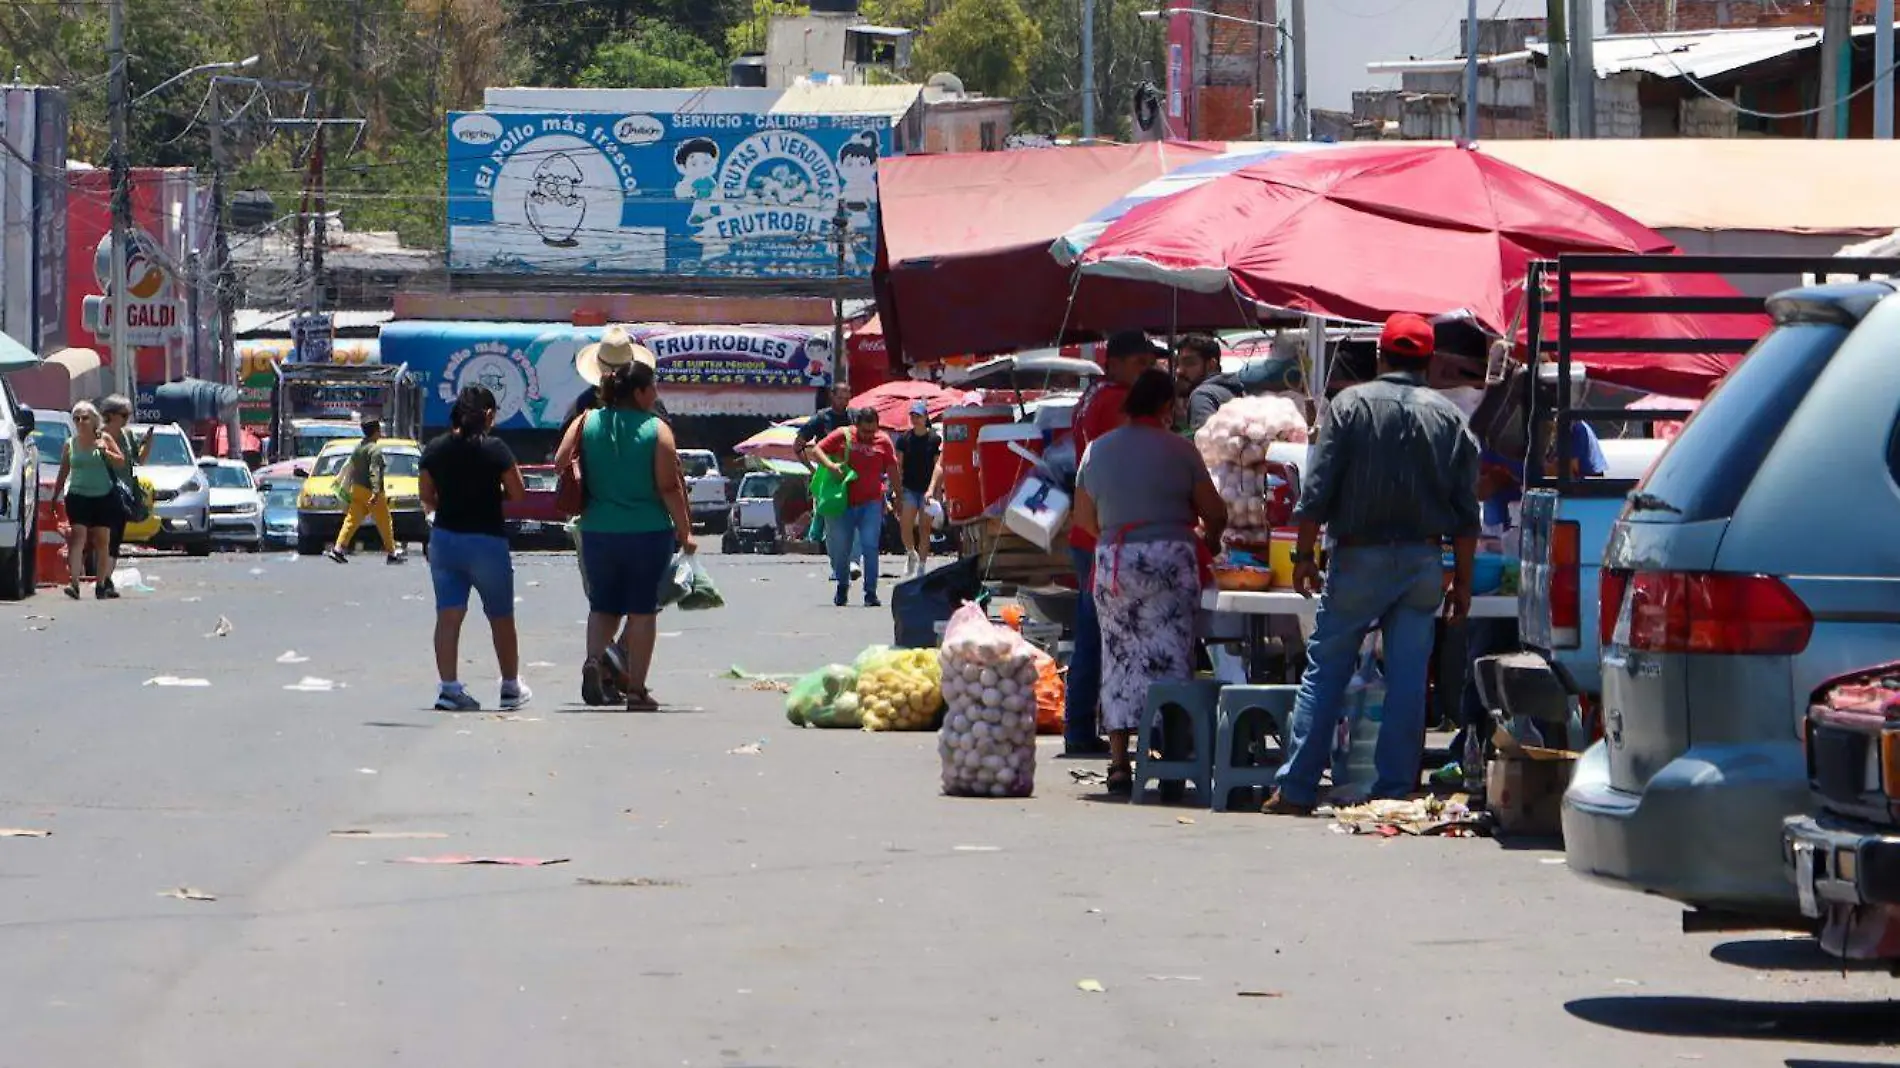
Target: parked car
753	524
237	511
708	492
51	431
1754	562
1845	862
533	522
320	513
19	497
280	512
179	495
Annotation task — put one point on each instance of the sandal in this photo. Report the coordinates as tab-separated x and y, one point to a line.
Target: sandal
594	684
1121	782
640	699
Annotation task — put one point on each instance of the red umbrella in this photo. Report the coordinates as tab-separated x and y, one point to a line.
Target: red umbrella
892	401
1427	229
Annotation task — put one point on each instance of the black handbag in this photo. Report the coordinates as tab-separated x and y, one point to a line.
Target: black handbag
125	489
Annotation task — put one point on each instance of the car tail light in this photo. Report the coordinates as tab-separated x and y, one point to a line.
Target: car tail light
1611	585
1702	612
1566	595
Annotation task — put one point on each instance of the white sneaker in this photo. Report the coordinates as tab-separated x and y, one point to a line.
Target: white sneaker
913	564
459	701
517	697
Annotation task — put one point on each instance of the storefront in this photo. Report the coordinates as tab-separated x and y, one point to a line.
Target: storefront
720	383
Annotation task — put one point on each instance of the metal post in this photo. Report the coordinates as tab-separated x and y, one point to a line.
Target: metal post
1883	69
124	373
1260	97
1088	72
1285	111
1471	72
1836	28
840	367
224	276
1557	71
1583	69
1302	125
319	237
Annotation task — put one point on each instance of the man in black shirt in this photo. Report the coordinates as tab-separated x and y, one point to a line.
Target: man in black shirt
816	429
920	447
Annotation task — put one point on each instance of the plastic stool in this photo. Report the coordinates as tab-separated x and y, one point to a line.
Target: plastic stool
1173	701
1242	723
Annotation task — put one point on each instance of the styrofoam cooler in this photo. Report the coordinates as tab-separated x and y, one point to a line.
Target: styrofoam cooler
1037	511
1005	453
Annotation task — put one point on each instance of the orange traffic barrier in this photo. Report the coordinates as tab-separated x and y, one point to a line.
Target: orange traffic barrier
51	564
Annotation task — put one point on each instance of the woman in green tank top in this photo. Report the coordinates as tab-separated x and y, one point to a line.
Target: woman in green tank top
85	480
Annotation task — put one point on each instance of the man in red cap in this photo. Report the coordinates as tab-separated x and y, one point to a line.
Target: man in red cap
1393	476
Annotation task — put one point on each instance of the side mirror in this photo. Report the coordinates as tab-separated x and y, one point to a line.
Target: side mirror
300	472
27	422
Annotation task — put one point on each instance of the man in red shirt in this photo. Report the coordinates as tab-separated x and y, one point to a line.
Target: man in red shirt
867	451
1127	355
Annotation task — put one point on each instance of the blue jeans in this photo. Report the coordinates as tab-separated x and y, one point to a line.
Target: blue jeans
1399	590
459	563
855	533
1079	723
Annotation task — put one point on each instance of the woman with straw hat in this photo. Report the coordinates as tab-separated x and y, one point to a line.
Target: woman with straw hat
634	516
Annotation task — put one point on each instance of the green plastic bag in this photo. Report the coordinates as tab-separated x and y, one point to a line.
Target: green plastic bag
688	586
831	495
827	697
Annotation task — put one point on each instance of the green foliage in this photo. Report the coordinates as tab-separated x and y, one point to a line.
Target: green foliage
654	55
988	43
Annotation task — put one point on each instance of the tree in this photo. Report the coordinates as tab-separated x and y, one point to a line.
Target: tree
1128	51
987	43
653	55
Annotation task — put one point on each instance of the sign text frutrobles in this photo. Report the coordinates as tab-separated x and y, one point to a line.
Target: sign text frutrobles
683	194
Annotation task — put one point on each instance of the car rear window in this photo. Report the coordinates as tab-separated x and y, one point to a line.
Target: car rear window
698	465
1708	467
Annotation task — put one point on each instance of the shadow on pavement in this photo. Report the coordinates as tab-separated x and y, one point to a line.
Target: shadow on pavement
1771	954
1802	1063
1835	1023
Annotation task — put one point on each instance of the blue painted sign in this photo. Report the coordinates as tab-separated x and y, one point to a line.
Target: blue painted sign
687	194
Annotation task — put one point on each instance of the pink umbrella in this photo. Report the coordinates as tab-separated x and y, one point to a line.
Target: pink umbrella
1411	228
892	401
777	442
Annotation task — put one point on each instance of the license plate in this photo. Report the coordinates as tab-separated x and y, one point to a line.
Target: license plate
530	526
1804	879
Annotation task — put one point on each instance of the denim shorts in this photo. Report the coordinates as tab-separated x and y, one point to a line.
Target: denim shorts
623	571
913	499
459	563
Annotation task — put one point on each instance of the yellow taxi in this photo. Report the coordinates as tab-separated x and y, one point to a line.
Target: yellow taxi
320	513
146	530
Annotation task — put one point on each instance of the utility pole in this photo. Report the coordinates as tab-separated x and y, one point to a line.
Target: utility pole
124	373
224	273
1260	97
1088	70
1302	124
1883	69
1285	110
1837	27
839	367
319	236
1583	69
1557	71
1471	72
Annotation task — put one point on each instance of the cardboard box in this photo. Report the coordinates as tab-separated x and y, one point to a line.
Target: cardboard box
1525	793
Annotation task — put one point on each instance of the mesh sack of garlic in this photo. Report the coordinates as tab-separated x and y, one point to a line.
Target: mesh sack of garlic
988	738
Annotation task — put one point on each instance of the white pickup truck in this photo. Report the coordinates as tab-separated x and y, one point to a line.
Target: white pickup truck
707	489
19	497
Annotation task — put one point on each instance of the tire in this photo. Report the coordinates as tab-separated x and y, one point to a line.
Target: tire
16	566
199	548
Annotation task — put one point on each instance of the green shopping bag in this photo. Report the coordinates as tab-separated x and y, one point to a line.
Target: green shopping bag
831	495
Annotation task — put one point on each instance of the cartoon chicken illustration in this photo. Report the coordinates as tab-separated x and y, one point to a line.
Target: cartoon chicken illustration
556	207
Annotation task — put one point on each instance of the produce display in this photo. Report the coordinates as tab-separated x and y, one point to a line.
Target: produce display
899	689
988	739
1234	443
827	697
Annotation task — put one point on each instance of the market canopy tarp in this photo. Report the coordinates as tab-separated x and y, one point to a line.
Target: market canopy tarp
15	356
777	442
892	401
963	249
1404	228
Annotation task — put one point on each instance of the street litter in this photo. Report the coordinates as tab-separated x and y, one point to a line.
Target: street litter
1087	776
311	684
223	629
1450	817
130	578
1258	994
1091	986
978	849
23	832
359	832
367	771
543	664
292	657
737	672
1551	860
1175	978
748	749
509	862
186	893
641	882
257	571
1184	819
173	680
190	600
532	585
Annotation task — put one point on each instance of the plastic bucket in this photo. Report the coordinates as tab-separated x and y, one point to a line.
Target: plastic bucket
962	486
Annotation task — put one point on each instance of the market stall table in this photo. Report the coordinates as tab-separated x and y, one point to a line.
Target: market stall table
1257	608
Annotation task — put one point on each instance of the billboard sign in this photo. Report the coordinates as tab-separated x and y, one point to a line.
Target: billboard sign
49	218
152	300
687	194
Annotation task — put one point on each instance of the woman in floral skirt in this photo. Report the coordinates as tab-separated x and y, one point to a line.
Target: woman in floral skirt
1146	494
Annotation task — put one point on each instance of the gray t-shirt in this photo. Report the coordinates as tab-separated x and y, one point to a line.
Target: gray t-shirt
1142	478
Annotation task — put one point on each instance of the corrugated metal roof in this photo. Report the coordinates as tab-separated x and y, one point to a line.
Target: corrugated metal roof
812	99
1705	54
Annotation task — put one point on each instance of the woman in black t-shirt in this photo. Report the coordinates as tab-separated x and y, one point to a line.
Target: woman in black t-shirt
921	448
466	475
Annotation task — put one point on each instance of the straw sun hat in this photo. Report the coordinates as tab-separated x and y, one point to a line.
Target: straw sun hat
615	349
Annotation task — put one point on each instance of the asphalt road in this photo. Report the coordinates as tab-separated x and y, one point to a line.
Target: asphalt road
812	904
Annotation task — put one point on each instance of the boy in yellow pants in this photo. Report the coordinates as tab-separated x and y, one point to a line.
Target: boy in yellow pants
365	471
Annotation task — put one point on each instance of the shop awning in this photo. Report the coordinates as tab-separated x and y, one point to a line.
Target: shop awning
15	356
76	361
963	249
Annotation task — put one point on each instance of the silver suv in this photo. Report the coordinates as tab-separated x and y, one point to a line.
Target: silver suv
181	495
1756	561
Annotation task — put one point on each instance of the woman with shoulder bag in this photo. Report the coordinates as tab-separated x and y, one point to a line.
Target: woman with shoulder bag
92	505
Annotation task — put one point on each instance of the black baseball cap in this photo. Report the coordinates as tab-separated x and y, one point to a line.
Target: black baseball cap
1132	343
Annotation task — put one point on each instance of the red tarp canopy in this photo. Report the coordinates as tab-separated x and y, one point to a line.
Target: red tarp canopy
1413	228
963	264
